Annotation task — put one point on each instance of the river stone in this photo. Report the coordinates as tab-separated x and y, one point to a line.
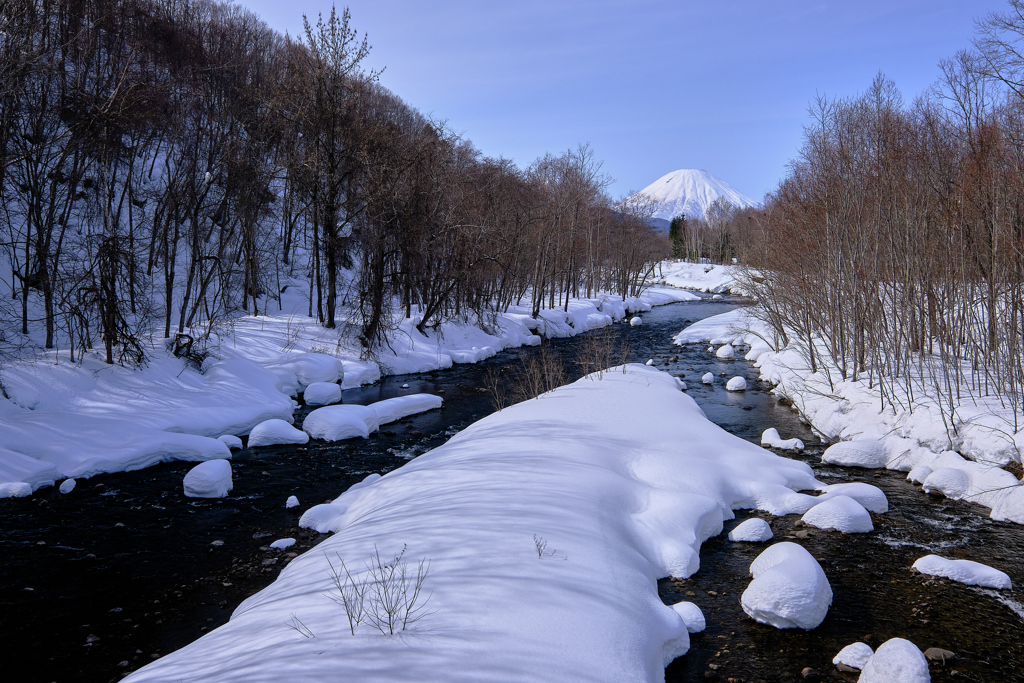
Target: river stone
707	378
736	384
726	352
896	661
937	654
636	321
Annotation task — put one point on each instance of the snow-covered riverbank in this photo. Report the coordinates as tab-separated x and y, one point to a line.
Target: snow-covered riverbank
75	420
545	525
966	447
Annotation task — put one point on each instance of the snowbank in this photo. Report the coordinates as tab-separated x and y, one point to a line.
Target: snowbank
868	453
754	530
691	615
702	277
896	661
789	589
211	479
531	518
841	513
964	571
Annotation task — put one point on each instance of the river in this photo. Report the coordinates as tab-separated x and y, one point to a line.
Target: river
125	569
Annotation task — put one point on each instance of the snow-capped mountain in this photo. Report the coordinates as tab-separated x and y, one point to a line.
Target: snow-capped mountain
691	191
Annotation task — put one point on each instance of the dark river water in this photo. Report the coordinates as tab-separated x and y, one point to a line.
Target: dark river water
126	569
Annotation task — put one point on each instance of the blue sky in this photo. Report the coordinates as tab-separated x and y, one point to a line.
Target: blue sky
651	86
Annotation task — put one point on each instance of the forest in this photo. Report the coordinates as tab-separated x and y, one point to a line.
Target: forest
168	164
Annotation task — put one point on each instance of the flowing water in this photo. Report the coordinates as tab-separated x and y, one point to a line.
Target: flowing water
125	569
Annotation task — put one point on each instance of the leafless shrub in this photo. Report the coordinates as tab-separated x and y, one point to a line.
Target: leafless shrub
390	598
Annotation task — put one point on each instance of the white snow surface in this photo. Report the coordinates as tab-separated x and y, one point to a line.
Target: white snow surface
770	437
621	475
707	378
334	423
854	654
965	571
230	440
789	589
15	489
736	384
691	615
636	321
896	661
283	543
849	411
725	352
80	419
210	479
918	474
690	192
754	530
870	497
273	432
292	502
841	513
322	393
67	486
701	277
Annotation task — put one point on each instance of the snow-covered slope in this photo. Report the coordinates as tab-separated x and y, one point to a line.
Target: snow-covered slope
690	192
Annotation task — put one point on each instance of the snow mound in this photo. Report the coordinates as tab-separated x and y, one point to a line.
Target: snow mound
392	409
230	440
950	482
964	571
736	384
871	497
272	432
210	479
841	513
636	321
858	453
15	489
283	543
918	474
754	530
707	378
322	394
67	486
691	616
854	654
725	352
771	438
292	502
896	661
789	589
334	423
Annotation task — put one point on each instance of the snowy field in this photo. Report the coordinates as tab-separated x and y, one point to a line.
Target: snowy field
76	420
546	527
959	456
700	277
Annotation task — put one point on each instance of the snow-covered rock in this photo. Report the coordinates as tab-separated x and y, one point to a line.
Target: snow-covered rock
964	571
771	438
707	378
918	474
391	409
210	479
230	440
896	661
841	513
67	486
282	543
272	432
322	394
650	362
691	616
737	383
789	589
725	352
334	423
717	297
871	497
636	321
854	655
868	453
950	482
292	502
754	530
15	489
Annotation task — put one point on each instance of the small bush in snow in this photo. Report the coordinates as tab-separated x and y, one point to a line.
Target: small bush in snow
390	597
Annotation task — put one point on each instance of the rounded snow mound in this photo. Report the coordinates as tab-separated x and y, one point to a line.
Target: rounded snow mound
292	502
275	431
789	589
964	571
636	321
334	423
855	655
210	479
771	438
841	513
230	440
950	482
896	661
736	384
691	616
707	378
725	352
871	497
918	474
754	530
282	543
858	453
67	486
321	394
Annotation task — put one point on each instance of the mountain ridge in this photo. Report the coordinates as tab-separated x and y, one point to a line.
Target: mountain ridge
690	192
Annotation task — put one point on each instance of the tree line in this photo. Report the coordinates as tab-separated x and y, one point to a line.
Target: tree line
893	252
170	163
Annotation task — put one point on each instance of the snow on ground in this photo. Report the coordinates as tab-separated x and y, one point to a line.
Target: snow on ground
79	419
965	571
702	277
546	527
921	435
789	589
